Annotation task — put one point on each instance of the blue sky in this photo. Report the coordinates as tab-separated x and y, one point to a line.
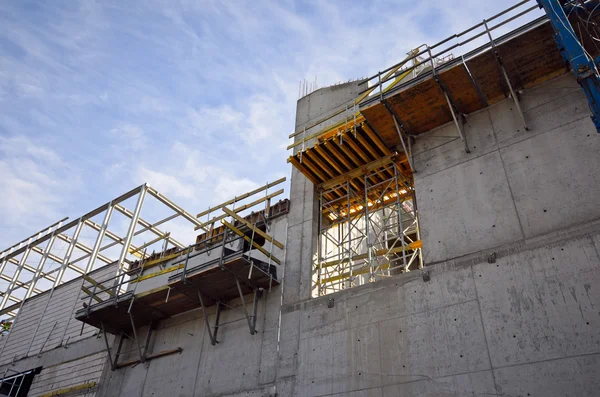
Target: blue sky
196	98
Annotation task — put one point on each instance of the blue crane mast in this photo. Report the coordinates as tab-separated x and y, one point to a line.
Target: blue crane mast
582	65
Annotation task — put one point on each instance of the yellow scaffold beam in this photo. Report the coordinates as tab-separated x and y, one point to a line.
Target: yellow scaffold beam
248	239
240	209
89	293
412	246
363	270
71	389
159	273
94	282
241	197
252	227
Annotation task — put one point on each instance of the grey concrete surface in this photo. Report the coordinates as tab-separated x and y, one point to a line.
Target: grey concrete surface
524	324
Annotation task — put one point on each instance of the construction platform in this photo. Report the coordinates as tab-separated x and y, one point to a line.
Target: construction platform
226	263
215	282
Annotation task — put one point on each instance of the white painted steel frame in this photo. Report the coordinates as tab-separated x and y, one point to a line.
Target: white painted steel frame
361	224
18	254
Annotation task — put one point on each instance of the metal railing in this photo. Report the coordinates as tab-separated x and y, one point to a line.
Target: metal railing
439	55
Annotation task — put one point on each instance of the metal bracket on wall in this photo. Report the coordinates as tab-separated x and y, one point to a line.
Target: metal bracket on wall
505	76
457	116
402	131
250	317
582	65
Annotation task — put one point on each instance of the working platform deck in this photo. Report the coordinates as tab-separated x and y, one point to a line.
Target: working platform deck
215	281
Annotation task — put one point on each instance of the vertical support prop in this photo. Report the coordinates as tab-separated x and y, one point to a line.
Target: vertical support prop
505	76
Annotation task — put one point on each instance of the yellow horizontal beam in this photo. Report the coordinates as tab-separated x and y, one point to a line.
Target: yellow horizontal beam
241	197
156	274
240	209
248	239
253	227
94	282
71	389
158	261
372	166
89	293
363	270
412	246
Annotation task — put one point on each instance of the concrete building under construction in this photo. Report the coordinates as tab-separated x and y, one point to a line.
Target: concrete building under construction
441	238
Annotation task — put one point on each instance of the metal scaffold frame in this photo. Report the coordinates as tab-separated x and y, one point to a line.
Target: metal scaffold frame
21	288
369	234
227	262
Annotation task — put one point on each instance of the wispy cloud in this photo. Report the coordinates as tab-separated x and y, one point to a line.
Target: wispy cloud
196	98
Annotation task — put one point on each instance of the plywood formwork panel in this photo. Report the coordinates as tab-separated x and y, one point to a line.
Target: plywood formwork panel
461	89
487	74
532	58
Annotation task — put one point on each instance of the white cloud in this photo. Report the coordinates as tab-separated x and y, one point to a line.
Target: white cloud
168	184
129	136
196	97
35	181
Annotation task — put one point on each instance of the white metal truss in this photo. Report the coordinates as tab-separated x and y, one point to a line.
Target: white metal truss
368	235
22	273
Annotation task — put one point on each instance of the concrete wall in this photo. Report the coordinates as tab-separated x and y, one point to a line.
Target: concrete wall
240	362
47	321
514	184
322	104
69	374
524	324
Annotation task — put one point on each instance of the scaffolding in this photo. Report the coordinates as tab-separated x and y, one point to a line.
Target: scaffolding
64	254
368	222
367	234
226	263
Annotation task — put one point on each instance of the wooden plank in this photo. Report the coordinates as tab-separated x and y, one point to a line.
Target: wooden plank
366	159
241	197
159	273
346	150
375	138
412	246
333	148
254	243
461	89
372	151
89	293
94	282
253	227
240	209
485	71
329	160
71	389
311	166
302	169
359	171
349	140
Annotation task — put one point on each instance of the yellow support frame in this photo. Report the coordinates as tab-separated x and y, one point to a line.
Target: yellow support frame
254	244
412	246
156	274
253	227
71	389
240	209
94	282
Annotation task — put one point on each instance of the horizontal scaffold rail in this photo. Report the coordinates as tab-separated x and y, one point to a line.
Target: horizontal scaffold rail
418	65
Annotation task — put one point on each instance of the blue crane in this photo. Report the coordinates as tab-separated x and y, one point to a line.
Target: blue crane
582	65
